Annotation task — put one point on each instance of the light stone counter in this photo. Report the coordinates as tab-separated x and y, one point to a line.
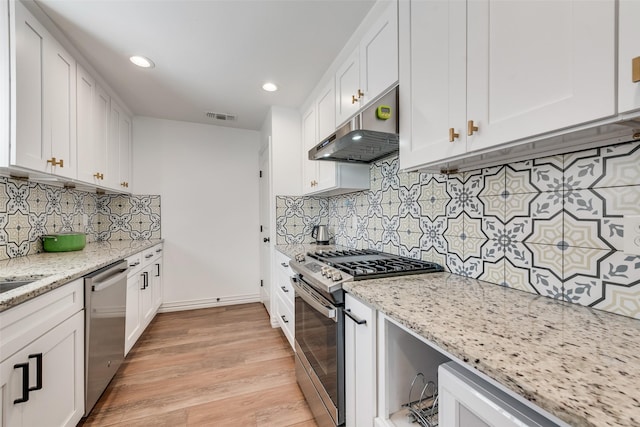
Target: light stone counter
292	250
580	364
57	269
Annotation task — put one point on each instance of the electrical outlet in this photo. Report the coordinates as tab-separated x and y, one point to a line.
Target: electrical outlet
632	234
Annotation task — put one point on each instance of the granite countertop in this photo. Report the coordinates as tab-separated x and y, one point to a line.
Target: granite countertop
53	270
579	364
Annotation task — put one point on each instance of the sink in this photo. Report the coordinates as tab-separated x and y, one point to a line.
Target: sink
12	284
9	283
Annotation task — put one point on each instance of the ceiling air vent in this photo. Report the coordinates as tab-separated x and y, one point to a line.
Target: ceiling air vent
220	116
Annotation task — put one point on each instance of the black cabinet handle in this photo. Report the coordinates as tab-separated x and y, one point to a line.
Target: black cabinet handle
38	358
148	256
284	289
158	270
134	264
158	250
284	319
266	239
284	264
145	280
25	382
353	317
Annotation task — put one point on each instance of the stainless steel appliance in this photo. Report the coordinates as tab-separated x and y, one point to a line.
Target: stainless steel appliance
369	136
321	234
105	293
320	317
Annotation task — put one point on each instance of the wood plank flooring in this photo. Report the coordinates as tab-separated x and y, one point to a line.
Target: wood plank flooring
221	366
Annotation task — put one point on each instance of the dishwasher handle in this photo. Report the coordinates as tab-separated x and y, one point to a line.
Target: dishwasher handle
110	280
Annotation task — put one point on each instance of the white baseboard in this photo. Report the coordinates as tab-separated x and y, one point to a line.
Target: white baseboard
167	307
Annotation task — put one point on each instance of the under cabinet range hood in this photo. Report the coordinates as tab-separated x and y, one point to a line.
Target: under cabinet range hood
369	136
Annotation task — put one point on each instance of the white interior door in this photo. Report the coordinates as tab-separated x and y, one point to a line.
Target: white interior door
265	220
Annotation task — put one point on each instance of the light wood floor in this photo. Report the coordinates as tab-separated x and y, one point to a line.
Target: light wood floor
222	366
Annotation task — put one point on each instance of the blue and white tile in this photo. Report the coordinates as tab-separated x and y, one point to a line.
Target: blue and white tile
375	203
547	231
409	204
433	234
18	195
494	181
493	272
583	233
517	277
410	233
582	283
389	171
611	166
390	227
544	175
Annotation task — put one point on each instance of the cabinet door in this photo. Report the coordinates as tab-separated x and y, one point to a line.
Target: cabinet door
379	55
125	153
146	296
101	125
326	109
31	151
116	120
523	81
60	108
133	325
85	136
156	284
432	80
347	85
360	363
628	50
310	167
60	400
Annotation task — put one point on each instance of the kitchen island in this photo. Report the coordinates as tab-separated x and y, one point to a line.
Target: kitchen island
52	270
579	364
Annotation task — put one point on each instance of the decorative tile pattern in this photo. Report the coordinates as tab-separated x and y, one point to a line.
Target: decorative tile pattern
30	210
550	226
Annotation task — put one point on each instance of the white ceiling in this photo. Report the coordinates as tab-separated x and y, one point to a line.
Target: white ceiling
210	55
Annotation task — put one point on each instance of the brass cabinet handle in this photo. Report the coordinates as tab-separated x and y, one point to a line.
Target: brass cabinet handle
56	163
453	135
635	69
98	175
471	128
360	94
124	184
354	99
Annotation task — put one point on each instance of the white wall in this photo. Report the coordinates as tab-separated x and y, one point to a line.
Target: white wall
207	177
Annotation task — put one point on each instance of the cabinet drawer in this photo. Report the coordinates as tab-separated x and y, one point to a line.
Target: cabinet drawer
135	263
282	264
285	317
24	323
285	289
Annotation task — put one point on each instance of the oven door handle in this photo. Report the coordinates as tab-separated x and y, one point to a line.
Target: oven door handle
313	300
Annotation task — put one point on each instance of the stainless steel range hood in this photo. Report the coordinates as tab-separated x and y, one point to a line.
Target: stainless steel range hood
369	136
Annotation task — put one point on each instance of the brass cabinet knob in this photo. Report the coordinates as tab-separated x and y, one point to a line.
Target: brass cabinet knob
124	184
354	99
635	69
453	135
360	94
471	128
98	175
55	162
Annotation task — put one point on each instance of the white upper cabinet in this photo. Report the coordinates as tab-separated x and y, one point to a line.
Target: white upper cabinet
371	68
629	56
478	74
86	142
379	56
45	100
309	167
348	91
118	172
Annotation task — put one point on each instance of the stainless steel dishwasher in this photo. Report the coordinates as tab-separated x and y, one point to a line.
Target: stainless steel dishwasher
105	294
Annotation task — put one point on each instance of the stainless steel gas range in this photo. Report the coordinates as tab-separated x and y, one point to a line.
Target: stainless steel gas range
320	317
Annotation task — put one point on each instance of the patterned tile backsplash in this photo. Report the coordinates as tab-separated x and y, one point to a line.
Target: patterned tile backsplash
550	226
29	210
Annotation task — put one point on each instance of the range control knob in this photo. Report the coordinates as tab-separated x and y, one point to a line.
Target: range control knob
325	271
336	276
300	257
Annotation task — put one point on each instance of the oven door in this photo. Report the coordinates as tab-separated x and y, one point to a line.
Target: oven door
319	335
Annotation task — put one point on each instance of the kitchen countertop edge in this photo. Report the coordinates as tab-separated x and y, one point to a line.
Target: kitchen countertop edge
61	268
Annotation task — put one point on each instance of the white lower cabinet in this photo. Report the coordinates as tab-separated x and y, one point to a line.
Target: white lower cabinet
42	382
144	293
360	363
284	310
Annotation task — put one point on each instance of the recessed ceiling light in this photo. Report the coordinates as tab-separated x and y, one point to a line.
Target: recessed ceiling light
142	62
269	87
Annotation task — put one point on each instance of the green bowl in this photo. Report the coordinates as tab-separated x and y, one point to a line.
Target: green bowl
64	242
